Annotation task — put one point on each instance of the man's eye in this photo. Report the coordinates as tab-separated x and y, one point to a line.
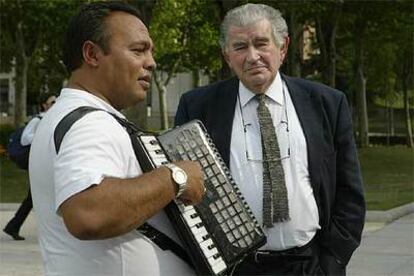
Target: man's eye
261	44
138	51
238	48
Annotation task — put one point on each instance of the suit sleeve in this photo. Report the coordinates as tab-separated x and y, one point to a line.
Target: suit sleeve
181	116
343	235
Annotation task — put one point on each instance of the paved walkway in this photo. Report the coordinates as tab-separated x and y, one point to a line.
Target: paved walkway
386	249
20	258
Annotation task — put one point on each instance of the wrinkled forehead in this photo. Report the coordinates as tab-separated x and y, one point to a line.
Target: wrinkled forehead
257	30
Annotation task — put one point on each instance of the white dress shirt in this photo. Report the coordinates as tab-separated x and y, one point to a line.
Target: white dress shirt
247	170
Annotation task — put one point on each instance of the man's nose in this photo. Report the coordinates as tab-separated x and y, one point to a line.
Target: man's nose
150	64
252	54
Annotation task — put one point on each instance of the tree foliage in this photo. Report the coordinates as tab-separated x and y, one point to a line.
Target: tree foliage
185	42
364	48
31	39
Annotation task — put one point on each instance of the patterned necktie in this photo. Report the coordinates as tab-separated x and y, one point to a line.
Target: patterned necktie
275	202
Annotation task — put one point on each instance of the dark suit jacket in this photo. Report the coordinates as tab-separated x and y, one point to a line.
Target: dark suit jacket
333	164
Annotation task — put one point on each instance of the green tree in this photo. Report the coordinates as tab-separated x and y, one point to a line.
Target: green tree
371	27
185	41
30	42
403	37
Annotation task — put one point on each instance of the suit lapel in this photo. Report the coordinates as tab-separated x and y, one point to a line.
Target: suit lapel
220	113
309	112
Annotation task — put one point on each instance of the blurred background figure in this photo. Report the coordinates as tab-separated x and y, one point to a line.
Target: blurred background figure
46	100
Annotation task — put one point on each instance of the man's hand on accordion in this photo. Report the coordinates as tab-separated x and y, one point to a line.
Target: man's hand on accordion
194	189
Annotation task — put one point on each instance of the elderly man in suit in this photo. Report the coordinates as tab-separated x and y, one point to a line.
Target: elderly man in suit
290	148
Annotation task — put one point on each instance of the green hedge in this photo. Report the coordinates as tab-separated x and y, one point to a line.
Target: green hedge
5	131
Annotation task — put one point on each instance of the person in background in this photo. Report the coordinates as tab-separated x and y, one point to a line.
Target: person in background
90	197
46	100
290	148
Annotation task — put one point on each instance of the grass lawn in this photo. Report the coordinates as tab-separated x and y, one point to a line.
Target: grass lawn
387	172
14	182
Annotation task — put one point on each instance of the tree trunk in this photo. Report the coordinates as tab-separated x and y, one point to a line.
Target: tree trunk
388	121
392	125
332	44
408	125
331	70
22	64
362	110
163	107
293	64
361	100
162	95
326	32
196	78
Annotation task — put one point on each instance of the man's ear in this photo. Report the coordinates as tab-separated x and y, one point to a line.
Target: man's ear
284	49
226	57
90	52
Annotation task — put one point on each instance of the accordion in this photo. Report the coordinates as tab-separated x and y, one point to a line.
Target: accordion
220	230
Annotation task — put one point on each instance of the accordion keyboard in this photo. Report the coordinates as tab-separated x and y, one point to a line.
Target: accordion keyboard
222	226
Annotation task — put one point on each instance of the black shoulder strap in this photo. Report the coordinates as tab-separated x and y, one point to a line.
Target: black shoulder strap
66	123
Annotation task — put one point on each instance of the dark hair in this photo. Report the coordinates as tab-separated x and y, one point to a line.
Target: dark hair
89	24
42	99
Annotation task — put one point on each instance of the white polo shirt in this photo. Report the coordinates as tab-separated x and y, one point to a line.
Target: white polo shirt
96	146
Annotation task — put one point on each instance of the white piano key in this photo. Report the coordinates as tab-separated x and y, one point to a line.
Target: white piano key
192	222
185	208
150	147
149	139
204	246
188	212
156	154
218	265
198	230
150	144
201	234
159	161
209	252
190	216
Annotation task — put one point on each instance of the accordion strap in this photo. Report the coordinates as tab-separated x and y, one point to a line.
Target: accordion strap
164	242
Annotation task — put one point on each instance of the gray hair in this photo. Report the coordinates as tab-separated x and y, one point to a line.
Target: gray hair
251	13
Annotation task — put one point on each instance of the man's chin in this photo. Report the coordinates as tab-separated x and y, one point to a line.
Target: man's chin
141	96
258	85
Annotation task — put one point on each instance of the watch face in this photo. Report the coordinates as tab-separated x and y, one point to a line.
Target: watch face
180	176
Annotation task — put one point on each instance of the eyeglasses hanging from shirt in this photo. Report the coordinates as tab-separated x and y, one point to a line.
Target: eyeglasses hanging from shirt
282	131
